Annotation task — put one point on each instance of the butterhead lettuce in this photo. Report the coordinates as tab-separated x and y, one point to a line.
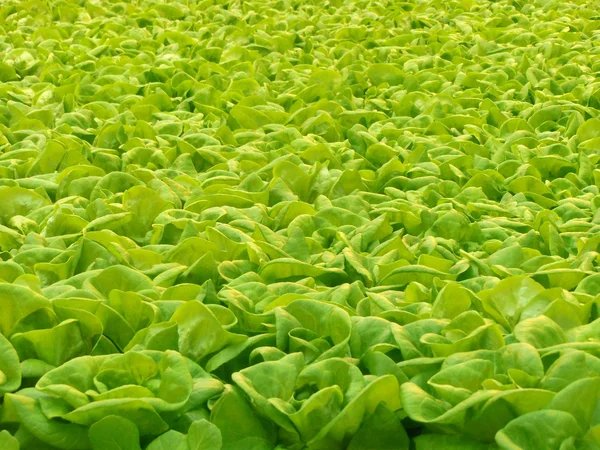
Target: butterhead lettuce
299	225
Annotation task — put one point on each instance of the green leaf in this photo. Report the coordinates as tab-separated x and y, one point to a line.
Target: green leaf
580	399
383	390
200	332
145	205
240	427
451	301
57	433
17	303
10	370
385	73
541	332
114	433
544	430
67	339
171	440
140	413
19	201
121	278
8	442
508	298
589	130
203	435
381	431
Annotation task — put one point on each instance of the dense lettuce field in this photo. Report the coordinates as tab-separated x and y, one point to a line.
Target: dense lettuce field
299	224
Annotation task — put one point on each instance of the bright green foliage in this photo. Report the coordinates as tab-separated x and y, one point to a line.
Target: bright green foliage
299	224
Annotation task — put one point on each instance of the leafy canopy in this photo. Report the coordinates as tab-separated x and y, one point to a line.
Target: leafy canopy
299	224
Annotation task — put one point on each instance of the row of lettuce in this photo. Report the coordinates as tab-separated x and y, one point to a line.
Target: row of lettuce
292	224
297	365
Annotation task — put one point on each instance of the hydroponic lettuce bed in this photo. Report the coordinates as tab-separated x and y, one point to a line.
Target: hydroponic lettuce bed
324	225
